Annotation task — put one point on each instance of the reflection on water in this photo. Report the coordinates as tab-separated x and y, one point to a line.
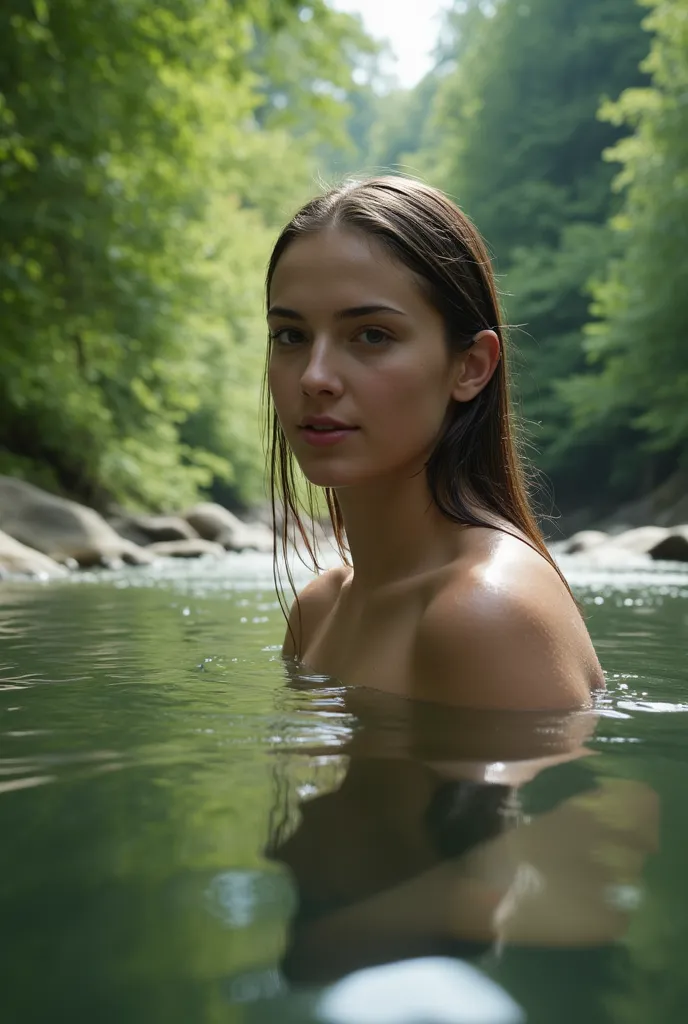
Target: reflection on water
466	834
192	833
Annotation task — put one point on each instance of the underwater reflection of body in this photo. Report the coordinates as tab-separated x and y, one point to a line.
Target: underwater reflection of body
470	834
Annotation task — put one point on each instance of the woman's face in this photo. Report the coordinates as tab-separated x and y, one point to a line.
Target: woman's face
359	368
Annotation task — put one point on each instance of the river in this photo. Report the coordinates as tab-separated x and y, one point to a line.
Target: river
175	807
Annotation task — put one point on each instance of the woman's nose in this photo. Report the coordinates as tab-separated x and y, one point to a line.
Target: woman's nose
321	372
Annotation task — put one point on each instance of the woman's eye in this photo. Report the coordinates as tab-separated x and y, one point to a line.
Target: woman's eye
287	336
374	336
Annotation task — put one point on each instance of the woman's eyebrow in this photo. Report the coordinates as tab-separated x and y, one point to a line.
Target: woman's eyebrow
343	314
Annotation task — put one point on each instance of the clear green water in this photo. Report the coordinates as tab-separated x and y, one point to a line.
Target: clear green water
158	769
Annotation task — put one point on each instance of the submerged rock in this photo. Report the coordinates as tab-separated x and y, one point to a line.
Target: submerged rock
62	529
435	990
186	548
17	558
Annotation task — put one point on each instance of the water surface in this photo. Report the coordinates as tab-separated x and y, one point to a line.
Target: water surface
185	825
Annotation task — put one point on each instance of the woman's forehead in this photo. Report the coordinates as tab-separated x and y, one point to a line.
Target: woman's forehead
342	265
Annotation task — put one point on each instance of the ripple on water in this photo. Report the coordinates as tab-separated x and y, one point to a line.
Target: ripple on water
150	750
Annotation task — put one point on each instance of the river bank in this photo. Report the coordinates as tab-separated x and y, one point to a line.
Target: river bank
45	536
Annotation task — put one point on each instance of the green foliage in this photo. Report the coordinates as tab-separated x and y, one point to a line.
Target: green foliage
526	149
149	154
637	347
516	140
139	195
402	126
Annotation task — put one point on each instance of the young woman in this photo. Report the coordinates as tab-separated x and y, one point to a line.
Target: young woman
388	374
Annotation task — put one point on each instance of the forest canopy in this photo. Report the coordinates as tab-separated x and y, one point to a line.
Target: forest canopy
150	153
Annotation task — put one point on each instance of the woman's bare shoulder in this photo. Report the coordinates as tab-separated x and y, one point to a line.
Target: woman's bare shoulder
311	606
504	632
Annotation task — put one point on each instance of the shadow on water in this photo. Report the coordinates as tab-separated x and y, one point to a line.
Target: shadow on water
187	835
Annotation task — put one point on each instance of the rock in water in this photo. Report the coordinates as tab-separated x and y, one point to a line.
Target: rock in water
17	558
584	540
143	529
213	522
186	548
641	540
673	548
210	520
62	529
435	990
610	556
247	537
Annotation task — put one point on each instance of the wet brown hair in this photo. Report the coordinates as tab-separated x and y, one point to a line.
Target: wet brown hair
475	473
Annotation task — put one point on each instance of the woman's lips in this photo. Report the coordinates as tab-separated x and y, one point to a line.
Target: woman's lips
324	438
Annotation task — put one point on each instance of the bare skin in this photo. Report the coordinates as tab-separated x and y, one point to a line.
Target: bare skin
495	628
431	610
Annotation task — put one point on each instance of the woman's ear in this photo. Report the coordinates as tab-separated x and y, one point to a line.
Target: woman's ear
476	366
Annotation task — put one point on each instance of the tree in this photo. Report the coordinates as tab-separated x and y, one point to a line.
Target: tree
139	194
520	147
637	346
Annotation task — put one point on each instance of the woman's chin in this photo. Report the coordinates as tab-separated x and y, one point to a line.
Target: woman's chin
331	476
331	480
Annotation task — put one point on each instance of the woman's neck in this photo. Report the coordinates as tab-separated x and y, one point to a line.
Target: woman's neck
395	531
